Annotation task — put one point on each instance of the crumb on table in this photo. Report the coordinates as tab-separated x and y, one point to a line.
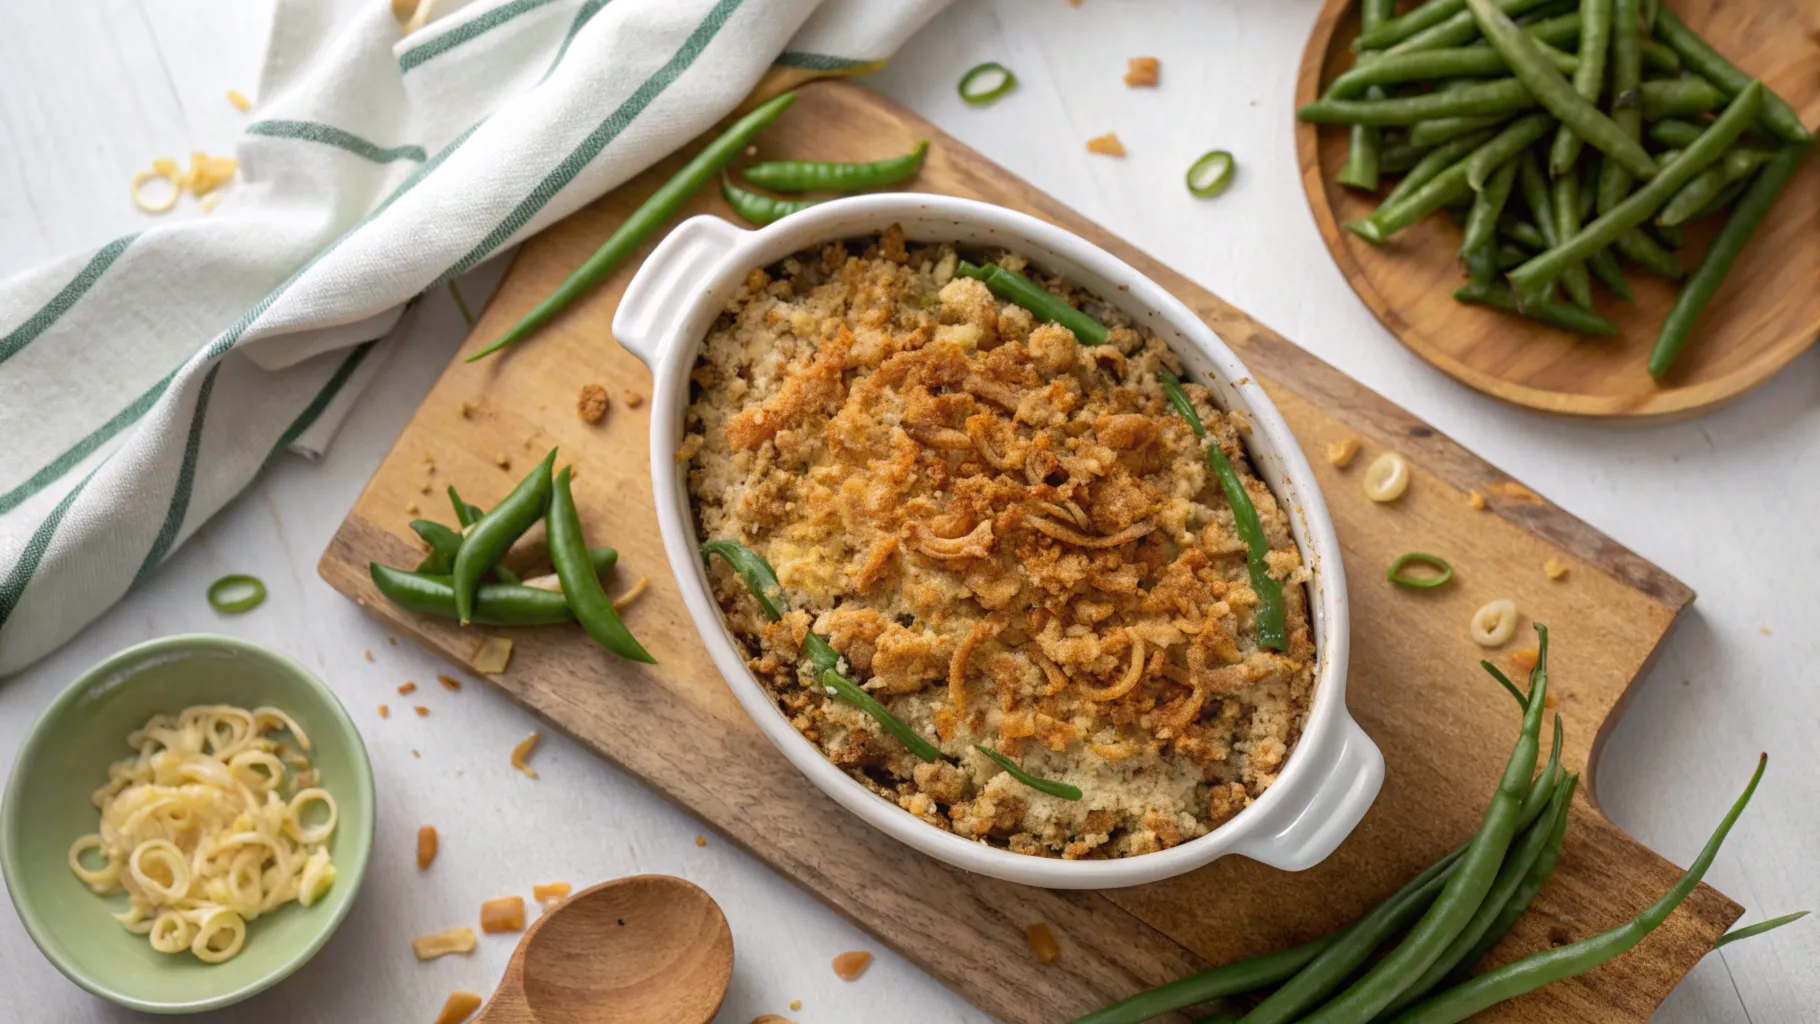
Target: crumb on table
460	1005
1476	499
1106	145
591	406
1142	71
703	841
849	966
449	682
385	712
405	688
1340	452
426	846
506	914
1042	943
1554	567
422	712
368	654
634	399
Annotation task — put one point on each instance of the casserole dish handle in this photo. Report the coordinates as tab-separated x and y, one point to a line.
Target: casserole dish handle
667	280
1342	789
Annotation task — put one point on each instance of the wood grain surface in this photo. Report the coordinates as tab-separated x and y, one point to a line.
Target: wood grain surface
1444	728
1767	313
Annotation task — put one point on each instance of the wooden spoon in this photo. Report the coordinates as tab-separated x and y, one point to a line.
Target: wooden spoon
650	949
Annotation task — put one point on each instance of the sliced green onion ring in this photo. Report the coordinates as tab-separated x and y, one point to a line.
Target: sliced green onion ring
1395	573
1211	174
232	595
1049	786
973	92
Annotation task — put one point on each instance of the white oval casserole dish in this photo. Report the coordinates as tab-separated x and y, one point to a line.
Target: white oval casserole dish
1334	771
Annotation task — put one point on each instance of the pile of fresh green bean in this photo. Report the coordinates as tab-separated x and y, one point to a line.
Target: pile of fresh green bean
1562	135
461	578
794	177
1408	960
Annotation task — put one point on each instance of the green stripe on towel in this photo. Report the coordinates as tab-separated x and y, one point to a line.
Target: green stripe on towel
329	135
60	303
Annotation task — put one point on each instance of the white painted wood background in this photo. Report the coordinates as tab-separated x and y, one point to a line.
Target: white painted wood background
91	90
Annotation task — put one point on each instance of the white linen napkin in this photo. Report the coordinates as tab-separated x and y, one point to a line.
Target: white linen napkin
144	384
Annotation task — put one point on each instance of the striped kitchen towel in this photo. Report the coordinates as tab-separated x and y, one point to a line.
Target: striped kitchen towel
143	385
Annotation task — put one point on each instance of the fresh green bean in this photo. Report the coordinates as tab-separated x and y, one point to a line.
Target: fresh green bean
1531	279
1589	79
1511	141
1496	96
1521	232
1487	206
1481	264
1693	197
1433	164
1511	874
1658	57
580	583
1645	252
1557	31
1723	201
465	514
760	210
1428	65
1604	266
1555	314
1020	290
444	544
1361	169
1540	199
1626	73
250	590
1458	29
493	533
1675	132
1712	65
1397	157
1426	134
1518	903
1589	188
1758	929
1231	979
791	176
1467	883
1551	90
1388	219
1395	30
1670	235
1551	965
1273	633
1723	252
1041	785
495	604
1575	280
1506	255
1677	97
761	581
649	216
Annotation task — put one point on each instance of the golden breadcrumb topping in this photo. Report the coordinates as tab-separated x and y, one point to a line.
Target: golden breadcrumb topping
1011	539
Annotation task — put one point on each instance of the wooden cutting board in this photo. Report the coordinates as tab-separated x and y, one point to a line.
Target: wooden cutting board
1444	728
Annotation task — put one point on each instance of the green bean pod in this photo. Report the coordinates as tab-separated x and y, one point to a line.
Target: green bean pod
1020	290
1588	80
1721	254
1626	73
1705	186
1487	206
495	604
1521	232
1712	65
1757	929
1426	134
580	583
1459	28
1428	65
790	176
493	533
1511	141
444	545
1399	156
1658	57
1061	790
1438	160
649	216
1643	250
1519	902
1496	96
1575	280
760	210
1575	958
1555	314
1604	266
760	579
1272	631
1678	97
465	514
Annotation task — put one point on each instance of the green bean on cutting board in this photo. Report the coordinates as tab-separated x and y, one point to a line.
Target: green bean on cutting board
1588	80
1550	89
790	176
1496	96
760	210
1551	965
444	545
465	514
1020	290
1231	979
1704	283
1712	66
1271	629
649	216
1053	788
236	594
1758	929
1566	316
580	583
493	533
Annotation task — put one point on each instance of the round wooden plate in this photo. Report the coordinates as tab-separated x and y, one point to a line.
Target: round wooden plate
1767	313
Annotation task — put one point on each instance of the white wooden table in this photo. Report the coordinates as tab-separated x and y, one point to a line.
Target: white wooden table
91	90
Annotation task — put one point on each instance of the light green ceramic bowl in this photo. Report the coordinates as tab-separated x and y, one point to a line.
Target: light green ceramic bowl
65	758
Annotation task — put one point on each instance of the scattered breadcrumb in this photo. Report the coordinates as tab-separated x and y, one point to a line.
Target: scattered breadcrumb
465	408
1042	943
771	1018
1764	630
506	914
422	712
850	966
592	405
492	656
1522	659
392	640
208	203
1551	699
414	752
410	508
368	654
796	1004
1554	567
239	100
460	1006
624	601
1515	492
503	460
423	487
703	841
1106	145
1475	499
552	893
455	940
1340	452
206	174
522	751
426	846
429	459
449	682
405	688
634	399
1142	71
385	712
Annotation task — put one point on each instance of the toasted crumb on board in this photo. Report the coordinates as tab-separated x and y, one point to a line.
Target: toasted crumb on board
634	399
637	590
591	406
1340	452
1106	145
1515	492
1141	72
1522	659
492	656
1476	500
1042	943
1555	567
